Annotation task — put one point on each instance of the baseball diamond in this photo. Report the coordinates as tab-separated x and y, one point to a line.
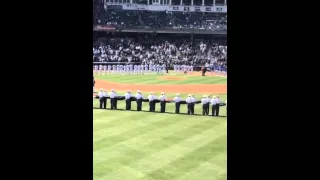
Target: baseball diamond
159	89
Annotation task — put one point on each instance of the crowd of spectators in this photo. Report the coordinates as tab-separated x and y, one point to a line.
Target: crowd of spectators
159	19
148	50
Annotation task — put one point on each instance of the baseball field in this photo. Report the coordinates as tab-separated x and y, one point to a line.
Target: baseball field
131	145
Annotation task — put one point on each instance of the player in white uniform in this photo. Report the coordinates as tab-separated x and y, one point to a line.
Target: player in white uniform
175	68
114	69
100	69
95	67
163	69
146	68
138	69
142	69
109	69
128	69
117	69
105	69
121	69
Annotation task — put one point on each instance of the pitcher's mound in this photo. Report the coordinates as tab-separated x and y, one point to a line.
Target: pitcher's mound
172	78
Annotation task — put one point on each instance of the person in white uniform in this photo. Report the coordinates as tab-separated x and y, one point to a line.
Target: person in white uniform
204	102
189	103
213	103
139	100
151	98
162	99
100	94
113	99
177	100
127	97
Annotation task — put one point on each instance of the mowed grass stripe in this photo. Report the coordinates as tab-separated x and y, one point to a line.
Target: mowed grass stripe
127	119
126	134
156	79
162	158
204	171
153	141
212	150
126	130
123	154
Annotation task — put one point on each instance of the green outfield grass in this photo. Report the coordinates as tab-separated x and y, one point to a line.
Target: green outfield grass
156	79
131	145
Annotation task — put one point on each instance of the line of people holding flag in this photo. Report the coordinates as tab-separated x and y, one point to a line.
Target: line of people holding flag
206	102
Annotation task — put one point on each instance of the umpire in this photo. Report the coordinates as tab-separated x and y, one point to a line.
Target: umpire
162	99
127	97
139	100
177	100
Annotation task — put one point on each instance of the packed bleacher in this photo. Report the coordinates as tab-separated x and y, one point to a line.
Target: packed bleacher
164	49
147	49
116	16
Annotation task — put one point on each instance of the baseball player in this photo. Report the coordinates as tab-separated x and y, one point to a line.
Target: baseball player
135	69
178	69
175	69
138	69
118	69
146	68
100	69
105	69
150	68
114	69
96	69
163	69
109	69
185	69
